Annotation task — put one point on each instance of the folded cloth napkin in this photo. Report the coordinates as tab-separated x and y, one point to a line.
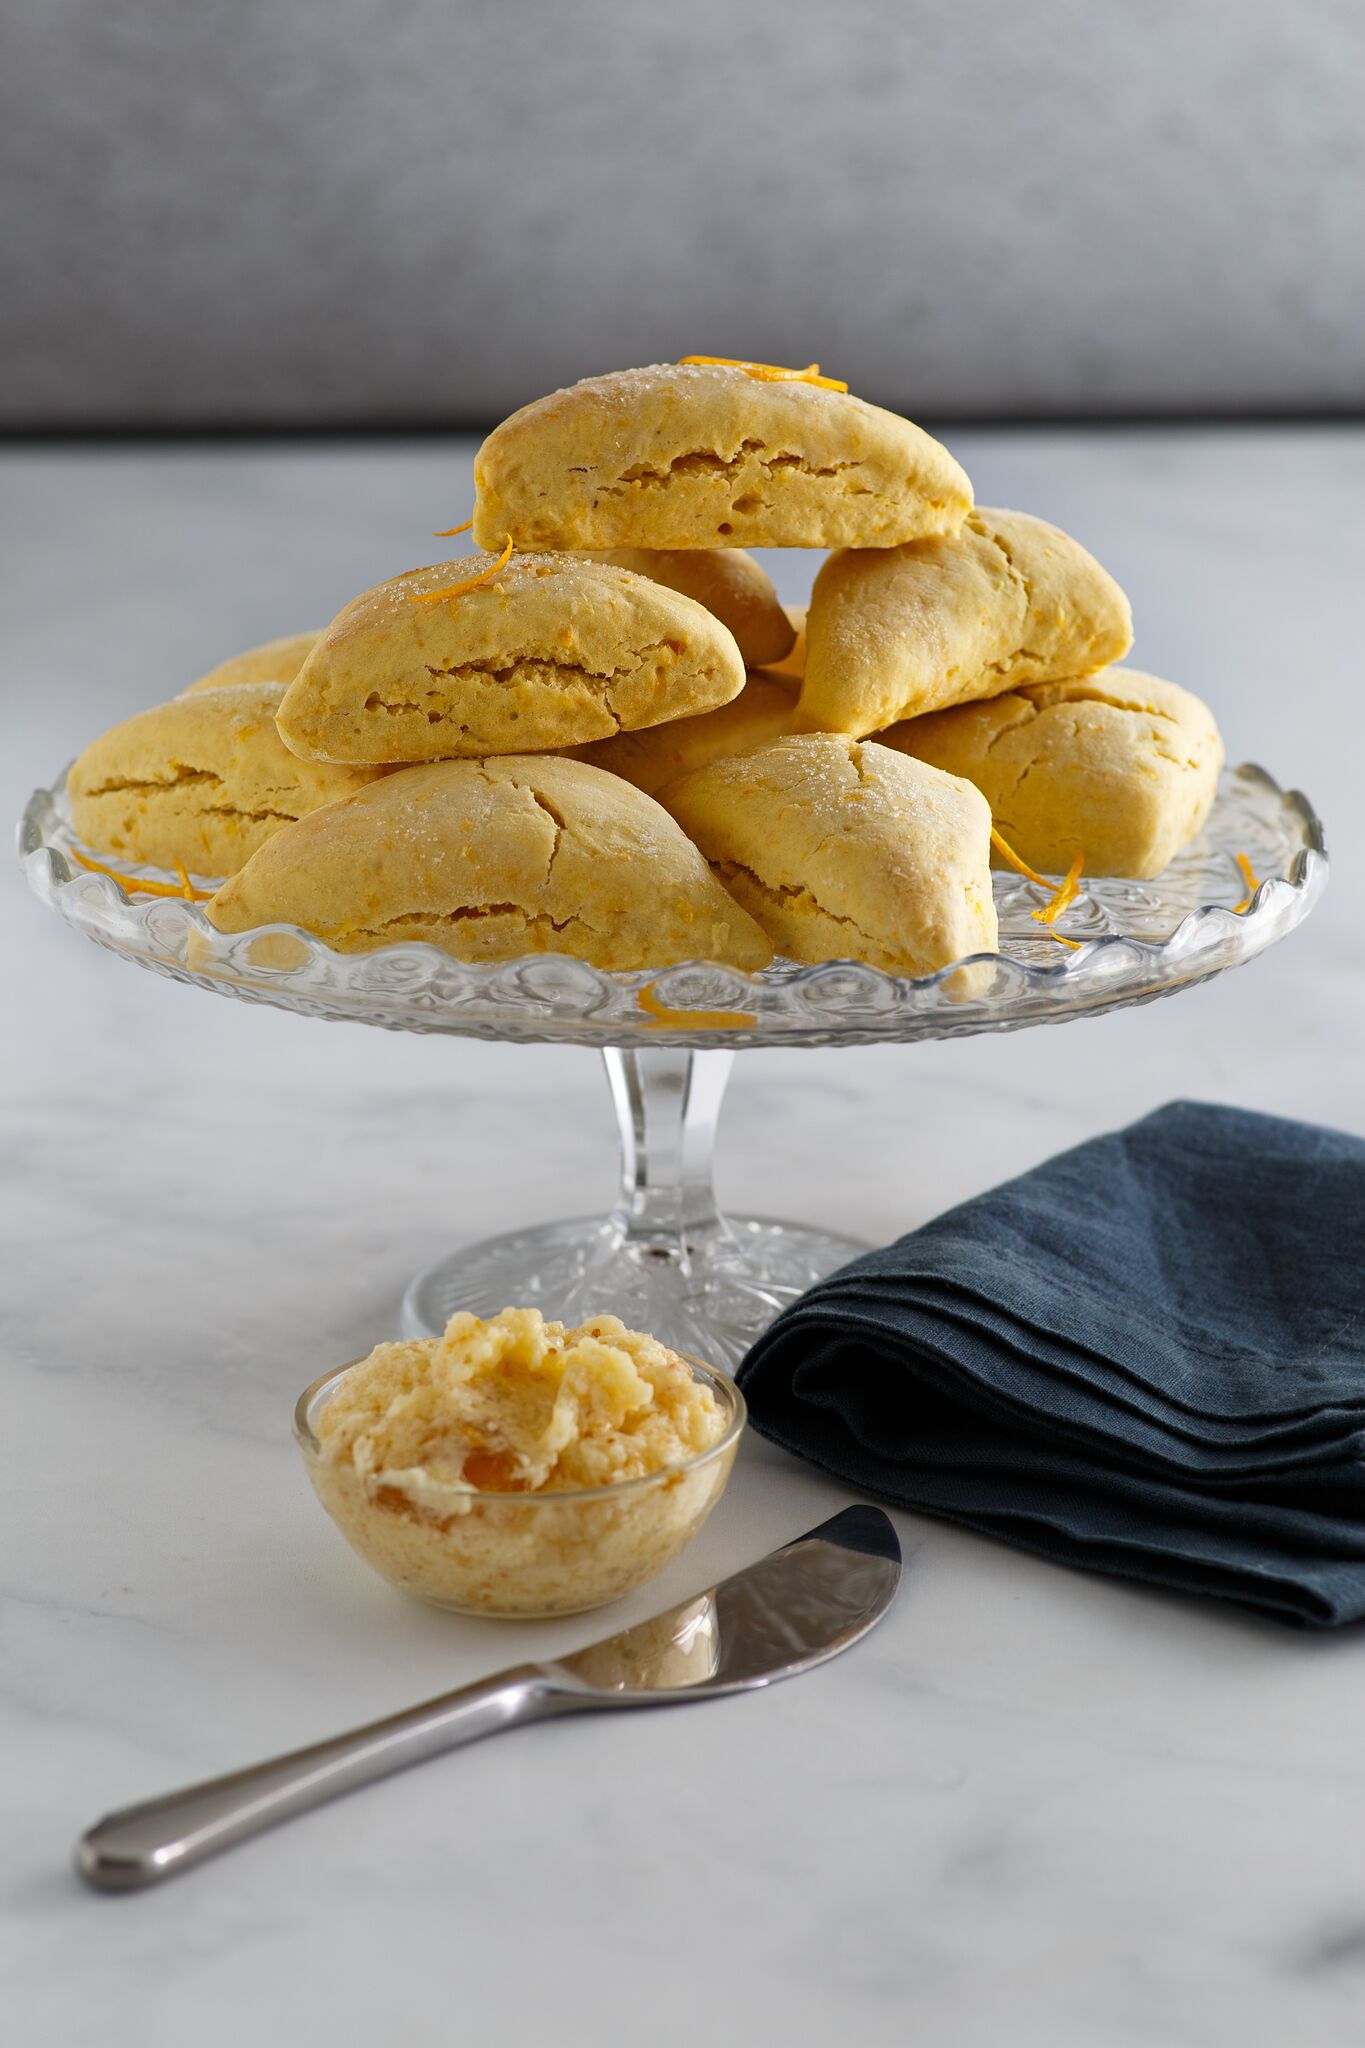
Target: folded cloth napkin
1146	1357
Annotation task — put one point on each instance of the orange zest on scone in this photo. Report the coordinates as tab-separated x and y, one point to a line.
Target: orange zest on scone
470	582
766	373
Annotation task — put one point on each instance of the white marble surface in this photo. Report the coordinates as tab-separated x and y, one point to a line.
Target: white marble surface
1035	1807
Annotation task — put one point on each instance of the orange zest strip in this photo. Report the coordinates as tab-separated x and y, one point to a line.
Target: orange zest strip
661	1016
447	532
184	887
1062	901
1021	867
1062	897
1066	893
1249	877
470	582
767	373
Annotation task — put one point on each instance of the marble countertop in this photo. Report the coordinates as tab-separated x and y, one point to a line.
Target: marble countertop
1035	1806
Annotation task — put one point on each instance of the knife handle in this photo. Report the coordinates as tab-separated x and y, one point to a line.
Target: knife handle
141	1845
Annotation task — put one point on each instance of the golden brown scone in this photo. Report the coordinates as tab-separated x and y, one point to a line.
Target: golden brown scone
492	859
205	779
552	651
839	854
1117	766
729	582
275	661
691	456
792	666
761	711
896	632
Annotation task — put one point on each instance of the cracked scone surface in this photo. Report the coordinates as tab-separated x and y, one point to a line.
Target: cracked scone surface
893	633
205	779
730	583
761	711
1118	766
693	456
839	853
493	859
553	651
274	661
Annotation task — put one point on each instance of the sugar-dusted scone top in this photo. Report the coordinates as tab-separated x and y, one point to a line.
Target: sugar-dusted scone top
893	633
491	859
1118	766
205	779
274	661
761	711
552	651
693	456
729	583
839	853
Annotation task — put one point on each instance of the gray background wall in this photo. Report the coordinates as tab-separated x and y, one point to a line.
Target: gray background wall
427	211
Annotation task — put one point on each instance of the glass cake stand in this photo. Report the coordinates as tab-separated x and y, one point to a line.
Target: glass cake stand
666	1259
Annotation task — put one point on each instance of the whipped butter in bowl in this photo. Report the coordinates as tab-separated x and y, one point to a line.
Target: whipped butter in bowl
517	1467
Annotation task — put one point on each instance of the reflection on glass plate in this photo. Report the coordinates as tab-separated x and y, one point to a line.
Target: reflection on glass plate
1139	940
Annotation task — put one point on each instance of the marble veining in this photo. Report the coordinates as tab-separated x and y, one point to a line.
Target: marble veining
1033	1807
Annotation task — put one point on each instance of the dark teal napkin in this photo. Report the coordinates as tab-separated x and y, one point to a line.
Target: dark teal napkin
1146	1357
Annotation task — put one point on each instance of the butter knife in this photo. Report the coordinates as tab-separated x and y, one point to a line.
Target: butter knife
789	1612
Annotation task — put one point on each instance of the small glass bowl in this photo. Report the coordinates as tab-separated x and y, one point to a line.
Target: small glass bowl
524	1554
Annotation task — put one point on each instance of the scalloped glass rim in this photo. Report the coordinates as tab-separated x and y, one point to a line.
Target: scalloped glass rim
1140	940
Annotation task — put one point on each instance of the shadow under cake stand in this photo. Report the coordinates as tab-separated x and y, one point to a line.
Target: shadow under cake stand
666	1259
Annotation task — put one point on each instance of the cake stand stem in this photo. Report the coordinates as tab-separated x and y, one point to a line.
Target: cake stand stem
667	1108
665	1259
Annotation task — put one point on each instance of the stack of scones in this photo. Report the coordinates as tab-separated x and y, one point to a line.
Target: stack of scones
603	735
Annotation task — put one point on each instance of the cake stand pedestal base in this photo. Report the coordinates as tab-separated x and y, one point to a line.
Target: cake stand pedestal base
666	1260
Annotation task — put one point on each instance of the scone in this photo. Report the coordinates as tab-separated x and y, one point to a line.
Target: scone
1118	766
792	666
491	859
761	711
839	853
205	779
730	583
897	632
551	651
697	456
275	661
